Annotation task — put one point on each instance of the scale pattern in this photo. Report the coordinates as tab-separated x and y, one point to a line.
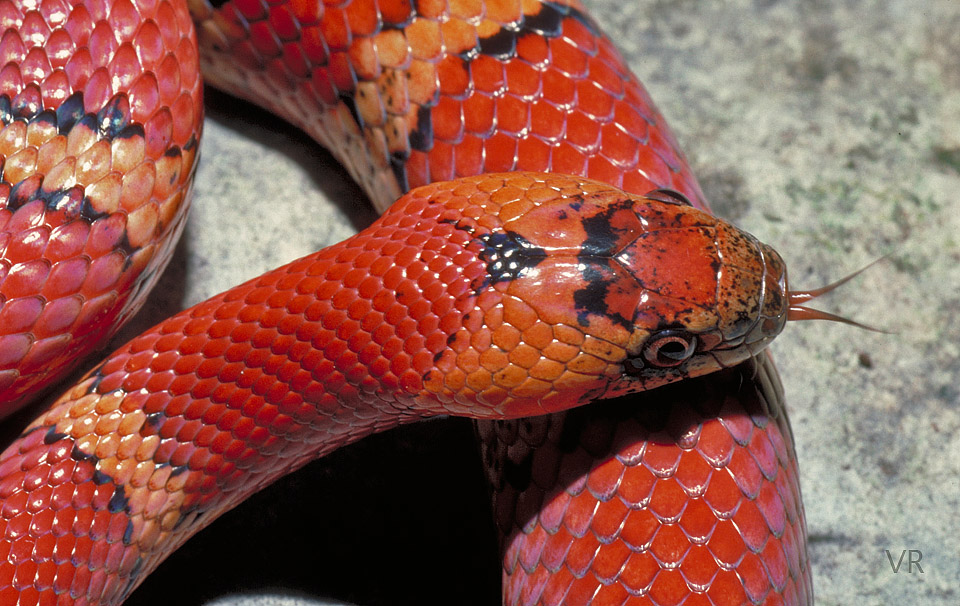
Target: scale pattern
683	495
100	111
400	322
406	93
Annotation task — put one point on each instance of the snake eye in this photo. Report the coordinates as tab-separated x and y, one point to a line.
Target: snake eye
669	348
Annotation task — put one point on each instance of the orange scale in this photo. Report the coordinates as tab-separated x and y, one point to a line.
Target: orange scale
763	452
667	501
609	519
771	507
546	120
693	474
754	578
746	473
582	554
698	521
569	159
619	147
33	27
751	526
11	80
533	154
283	22
523	80
479	112
632	121
568	59
669	589
252	10
36	65
608	75
776	565
582	130
664	148
594	101
739	425
533	49
500	153
12	48
530	548
489	74
698	568
336	29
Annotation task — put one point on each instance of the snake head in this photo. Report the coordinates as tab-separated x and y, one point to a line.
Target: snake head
664	289
711	296
588	292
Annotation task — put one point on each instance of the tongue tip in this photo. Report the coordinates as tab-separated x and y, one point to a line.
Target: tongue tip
799	313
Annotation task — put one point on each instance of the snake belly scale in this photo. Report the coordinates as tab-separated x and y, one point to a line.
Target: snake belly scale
447	305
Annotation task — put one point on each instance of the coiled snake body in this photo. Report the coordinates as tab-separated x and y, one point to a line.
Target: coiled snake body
500	296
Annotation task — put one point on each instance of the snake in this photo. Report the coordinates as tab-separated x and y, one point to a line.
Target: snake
548	247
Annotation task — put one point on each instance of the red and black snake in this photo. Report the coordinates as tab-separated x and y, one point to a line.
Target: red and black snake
499	296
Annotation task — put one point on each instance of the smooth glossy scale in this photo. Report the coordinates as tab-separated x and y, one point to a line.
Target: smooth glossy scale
100	109
371	80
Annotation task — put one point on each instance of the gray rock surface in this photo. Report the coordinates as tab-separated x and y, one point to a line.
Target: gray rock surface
830	129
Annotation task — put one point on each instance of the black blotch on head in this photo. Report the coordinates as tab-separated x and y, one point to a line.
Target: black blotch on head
100	478
595	257
602	236
592	298
508	255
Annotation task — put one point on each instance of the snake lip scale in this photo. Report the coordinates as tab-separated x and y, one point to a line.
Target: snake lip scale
548	247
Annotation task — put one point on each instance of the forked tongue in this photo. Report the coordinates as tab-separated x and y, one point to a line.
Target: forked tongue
797	312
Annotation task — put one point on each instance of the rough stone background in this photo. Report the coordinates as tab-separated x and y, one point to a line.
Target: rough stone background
828	128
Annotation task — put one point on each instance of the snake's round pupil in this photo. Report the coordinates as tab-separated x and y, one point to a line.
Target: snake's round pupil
670	348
